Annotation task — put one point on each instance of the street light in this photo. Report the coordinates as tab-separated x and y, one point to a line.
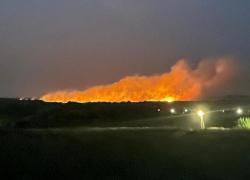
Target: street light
172	111
201	114
239	111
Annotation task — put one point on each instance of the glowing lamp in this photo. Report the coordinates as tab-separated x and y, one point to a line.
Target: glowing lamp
200	113
239	111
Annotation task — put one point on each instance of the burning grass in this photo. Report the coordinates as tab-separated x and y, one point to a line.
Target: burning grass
180	84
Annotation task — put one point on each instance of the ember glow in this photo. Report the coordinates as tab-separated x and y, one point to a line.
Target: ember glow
181	84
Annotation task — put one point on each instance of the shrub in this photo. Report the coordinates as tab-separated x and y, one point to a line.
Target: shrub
243	123
6	122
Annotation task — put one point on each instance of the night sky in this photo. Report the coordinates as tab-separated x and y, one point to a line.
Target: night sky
48	45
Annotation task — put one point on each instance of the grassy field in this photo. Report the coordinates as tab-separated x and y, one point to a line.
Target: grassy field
122	141
154	153
38	114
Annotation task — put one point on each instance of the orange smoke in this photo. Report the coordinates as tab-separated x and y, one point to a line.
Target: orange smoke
181	83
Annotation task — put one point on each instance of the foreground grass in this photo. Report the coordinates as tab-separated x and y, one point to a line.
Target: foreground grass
243	123
124	154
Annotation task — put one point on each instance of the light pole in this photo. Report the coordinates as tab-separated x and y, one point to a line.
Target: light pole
201	114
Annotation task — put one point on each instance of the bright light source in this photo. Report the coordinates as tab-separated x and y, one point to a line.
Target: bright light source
169	100
223	111
239	111
159	110
200	113
186	110
172	111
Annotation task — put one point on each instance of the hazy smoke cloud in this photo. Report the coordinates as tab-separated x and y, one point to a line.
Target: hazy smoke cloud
181	83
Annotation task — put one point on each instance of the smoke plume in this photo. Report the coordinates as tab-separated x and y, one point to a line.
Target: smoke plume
181	83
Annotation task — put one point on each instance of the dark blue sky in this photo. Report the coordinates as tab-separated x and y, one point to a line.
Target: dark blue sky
61	44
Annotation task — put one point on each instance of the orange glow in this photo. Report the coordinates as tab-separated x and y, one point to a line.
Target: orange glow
170	99
181	83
